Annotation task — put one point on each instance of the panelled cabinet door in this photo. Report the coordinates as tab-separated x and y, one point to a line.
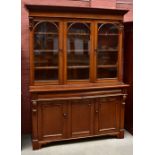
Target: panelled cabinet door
107	114
52	120
81	118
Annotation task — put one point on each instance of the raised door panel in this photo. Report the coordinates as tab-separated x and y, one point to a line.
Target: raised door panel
52	120
107	114
81	118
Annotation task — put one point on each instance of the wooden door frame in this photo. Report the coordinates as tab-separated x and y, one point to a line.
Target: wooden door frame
117	115
60	53
39	122
120	51
66	81
91	106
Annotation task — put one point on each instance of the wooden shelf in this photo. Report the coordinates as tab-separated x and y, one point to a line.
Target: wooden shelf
46	33
78	51
107	50
45	50
104	34
78	67
107	66
78	34
46	67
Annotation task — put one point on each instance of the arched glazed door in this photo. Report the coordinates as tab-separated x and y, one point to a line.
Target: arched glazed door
78	51
46	51
107	51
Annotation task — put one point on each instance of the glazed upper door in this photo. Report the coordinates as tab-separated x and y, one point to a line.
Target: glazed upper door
78	51
47	51
70	51
107	48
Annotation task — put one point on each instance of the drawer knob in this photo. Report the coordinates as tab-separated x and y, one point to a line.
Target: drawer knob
96	111
65	115
34	110
123	103
34	102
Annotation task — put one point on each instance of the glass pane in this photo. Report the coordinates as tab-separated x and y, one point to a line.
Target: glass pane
81	73
45	58
107	42
107	58
107	72
45	74
107	28
46	27
107	51
45	41
107	37
78	47
46	51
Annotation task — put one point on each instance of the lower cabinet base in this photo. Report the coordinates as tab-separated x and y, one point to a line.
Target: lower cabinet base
120	135
74	116
38	144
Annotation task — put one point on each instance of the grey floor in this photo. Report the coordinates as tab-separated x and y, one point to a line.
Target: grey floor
97	146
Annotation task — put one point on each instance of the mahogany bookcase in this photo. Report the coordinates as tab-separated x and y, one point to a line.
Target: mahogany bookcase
76	73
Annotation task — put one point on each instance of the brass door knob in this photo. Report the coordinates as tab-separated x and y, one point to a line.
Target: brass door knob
65	115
